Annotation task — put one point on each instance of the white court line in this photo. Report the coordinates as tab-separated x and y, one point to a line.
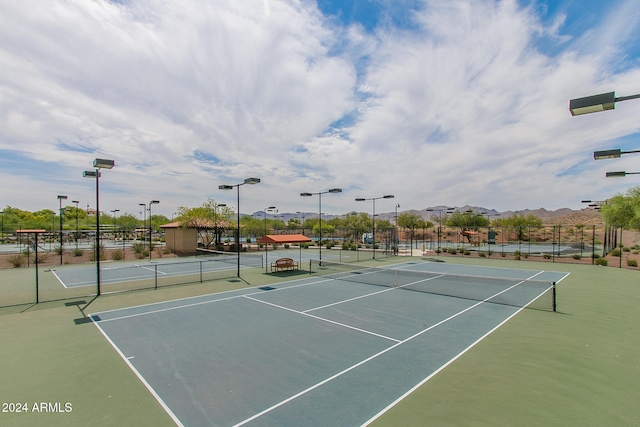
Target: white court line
322	318
339	374
371	294
140	377
177	307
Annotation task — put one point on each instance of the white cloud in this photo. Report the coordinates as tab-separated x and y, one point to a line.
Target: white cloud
462	108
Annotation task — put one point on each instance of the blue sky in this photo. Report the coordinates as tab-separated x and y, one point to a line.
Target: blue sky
439	102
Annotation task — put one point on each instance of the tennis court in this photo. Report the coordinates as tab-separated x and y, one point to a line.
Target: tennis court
203	267
338	347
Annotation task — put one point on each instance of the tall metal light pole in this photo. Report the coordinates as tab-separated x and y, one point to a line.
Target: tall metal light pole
266	245
237	186
215	222
77	202
115	227
362	199
153	202
60	199
98	164
144	223
319	194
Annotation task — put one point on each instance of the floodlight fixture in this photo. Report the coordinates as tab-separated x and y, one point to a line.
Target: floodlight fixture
103	164
611	154
619	174
596	103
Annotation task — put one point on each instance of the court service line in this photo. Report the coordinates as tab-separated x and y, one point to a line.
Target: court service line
339	374
322	319
371	294
160	310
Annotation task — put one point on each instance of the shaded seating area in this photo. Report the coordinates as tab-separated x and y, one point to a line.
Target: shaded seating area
283	264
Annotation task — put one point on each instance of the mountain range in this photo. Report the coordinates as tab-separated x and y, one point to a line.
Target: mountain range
558	216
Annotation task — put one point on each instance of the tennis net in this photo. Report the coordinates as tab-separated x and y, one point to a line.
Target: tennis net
247	259
514	292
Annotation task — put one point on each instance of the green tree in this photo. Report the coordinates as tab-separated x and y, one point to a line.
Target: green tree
623	210
206	218
412	221
466	220
520	222
355	225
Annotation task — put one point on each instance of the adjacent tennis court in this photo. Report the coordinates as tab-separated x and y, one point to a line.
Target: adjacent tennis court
202	268
338	347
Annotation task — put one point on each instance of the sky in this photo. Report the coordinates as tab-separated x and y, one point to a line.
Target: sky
438	102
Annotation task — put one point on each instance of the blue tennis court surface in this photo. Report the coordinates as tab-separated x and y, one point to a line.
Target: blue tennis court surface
317	351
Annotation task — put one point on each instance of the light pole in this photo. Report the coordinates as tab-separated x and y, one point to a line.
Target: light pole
215	222
266	245
250	181
98	164
77	202
439	221
302	213
362	199
2	228
333	191
60	199
144	223
153	202
115	227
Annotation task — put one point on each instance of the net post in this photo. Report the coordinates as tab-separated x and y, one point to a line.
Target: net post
553	296
155	273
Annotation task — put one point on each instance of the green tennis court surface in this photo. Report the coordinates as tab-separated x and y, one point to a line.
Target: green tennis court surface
329	349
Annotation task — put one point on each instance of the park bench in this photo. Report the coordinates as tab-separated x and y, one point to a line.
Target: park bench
284	264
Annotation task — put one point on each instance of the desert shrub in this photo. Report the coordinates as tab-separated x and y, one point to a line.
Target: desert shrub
103	254
482	254
626	249
17	260
466	252
274	246
601	261
138	248
58	250
287	246
576	256
615	252
117	255
166	251
546	256
632	263
78	252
